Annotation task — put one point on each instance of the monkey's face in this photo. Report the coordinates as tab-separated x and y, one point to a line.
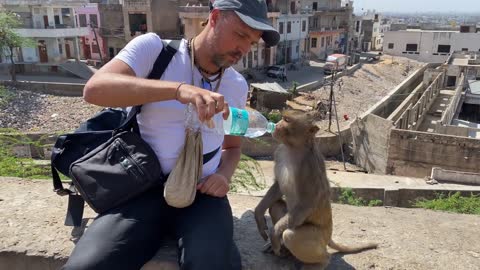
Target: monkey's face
295	129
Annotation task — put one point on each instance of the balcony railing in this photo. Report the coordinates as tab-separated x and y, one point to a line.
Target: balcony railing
53	33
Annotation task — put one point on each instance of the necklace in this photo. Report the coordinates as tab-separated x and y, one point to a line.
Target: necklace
191	50
202	70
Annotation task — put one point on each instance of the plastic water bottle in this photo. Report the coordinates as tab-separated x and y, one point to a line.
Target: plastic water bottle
245	123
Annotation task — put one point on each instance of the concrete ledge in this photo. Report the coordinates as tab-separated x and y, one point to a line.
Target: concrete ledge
469	178
61	89
394	191
32	235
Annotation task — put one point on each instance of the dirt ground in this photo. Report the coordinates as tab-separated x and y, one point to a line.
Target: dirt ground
357	92
410	239
30	111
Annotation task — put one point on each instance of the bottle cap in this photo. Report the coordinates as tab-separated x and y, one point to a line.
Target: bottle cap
270	127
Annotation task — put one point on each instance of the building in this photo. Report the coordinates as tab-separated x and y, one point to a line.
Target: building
192	16
430	45
357	42
330	27
371	30
161	17
112	28
293	25
93	47
431	120
52	25
268	96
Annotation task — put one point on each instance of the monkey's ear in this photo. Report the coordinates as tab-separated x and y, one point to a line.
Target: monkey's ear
314	129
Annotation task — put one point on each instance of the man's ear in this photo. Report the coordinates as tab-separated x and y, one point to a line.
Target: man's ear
214	17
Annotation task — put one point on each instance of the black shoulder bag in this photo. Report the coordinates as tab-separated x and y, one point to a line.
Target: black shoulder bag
107	160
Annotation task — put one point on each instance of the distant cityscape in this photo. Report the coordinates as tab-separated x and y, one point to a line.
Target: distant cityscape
94	31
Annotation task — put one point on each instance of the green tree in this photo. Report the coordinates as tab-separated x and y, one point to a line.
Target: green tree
10	40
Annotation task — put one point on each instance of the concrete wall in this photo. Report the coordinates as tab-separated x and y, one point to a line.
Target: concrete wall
61	89
415	113
428	42
390	103
458	131
370	136
452	107
413	153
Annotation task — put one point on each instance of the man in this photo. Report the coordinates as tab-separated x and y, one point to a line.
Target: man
128	236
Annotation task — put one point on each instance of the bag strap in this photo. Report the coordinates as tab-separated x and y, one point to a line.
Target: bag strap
159	67
75	201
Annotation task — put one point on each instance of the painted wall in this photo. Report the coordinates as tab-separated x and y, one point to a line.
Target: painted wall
89	11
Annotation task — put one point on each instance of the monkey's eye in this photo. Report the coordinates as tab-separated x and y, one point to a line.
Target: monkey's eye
286	119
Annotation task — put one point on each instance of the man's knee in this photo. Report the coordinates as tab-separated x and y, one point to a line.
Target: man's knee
211	258
219	253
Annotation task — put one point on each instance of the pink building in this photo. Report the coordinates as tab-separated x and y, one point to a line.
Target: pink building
88	16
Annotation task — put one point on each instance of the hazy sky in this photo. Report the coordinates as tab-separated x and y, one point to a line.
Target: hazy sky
413	6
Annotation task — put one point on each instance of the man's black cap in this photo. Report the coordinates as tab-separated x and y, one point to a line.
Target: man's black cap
254	14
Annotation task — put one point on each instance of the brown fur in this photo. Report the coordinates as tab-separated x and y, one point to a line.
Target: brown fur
303	220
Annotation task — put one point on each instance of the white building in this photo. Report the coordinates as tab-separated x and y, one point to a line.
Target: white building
428	45
52	25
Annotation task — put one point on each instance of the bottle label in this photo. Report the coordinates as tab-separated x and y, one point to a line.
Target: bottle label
239	122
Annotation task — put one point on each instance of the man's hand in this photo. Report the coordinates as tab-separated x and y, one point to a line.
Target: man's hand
208	103
215	185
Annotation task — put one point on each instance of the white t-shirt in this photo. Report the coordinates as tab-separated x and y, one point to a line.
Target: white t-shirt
162	124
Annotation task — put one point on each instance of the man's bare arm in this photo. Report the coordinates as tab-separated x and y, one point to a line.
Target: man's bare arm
230	156
116	85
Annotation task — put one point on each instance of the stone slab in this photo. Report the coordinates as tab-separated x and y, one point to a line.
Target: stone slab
32	234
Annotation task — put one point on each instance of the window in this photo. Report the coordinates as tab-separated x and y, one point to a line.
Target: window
93	20
94	47
280	27
464	49
304	26
323	42
138	23
82	19
315	22
357	27
255	55
57	19
443	49
263	54
315	6
289	27
411	47
390	45
60	48
314	42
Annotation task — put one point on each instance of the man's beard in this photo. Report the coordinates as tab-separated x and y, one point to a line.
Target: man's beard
222	61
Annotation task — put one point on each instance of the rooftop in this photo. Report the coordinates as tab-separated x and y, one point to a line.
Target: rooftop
271	87
462	58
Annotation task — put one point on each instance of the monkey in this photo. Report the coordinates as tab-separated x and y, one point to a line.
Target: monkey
299	200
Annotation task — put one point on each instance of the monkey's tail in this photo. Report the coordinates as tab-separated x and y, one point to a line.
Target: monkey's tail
346	249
